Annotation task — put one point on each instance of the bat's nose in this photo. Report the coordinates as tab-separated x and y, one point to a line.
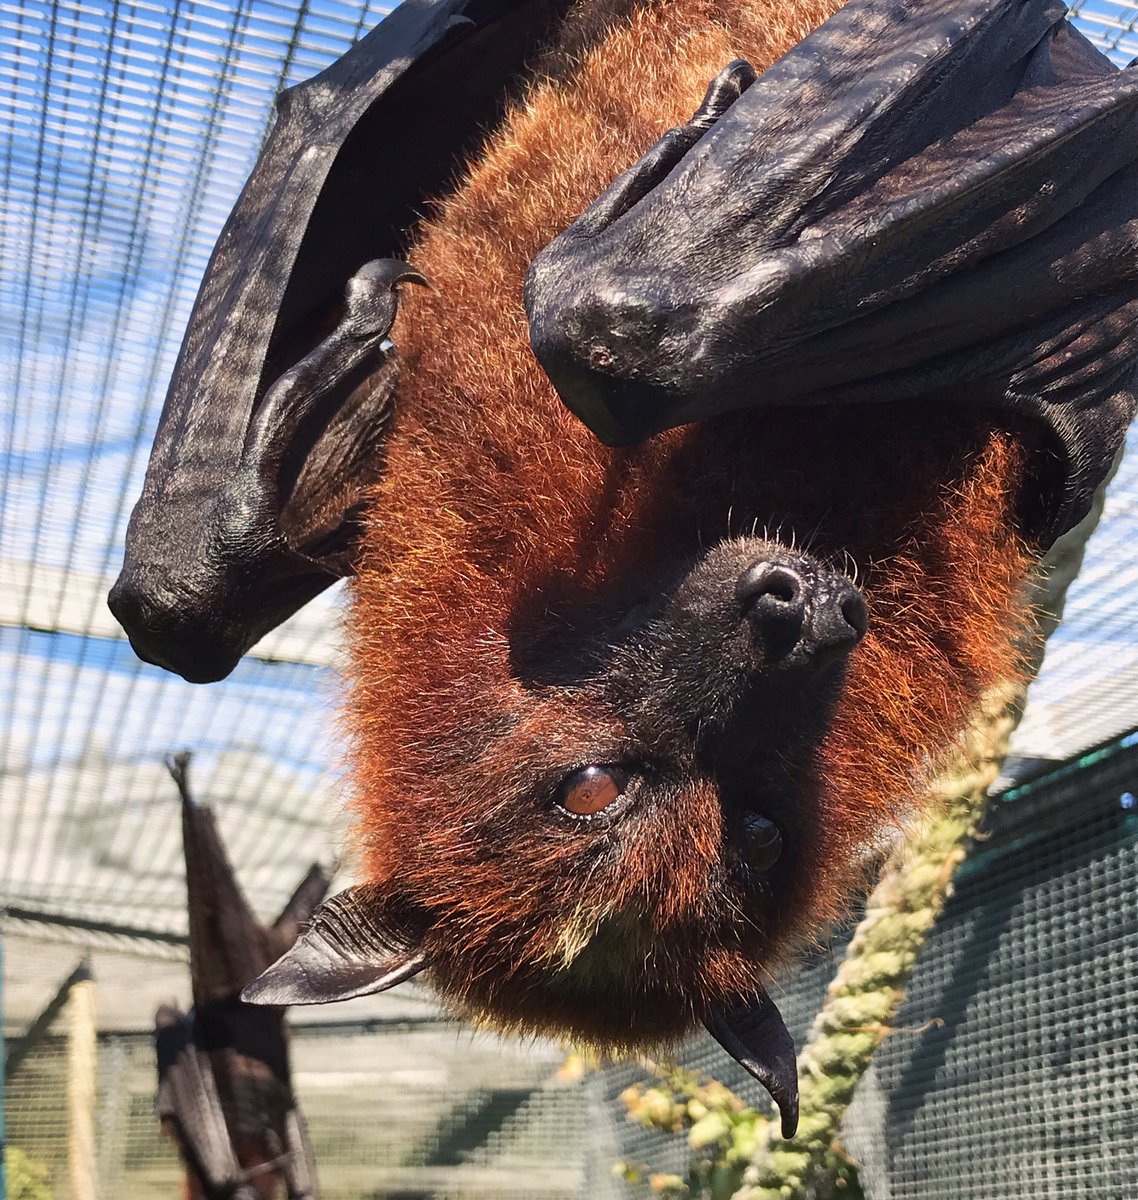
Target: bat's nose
801	611
773	596
840	615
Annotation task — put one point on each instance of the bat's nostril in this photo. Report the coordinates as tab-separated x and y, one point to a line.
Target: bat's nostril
772	582
854	611
774	599
839	620
799	611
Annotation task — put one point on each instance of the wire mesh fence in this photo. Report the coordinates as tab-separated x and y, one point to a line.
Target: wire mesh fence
389	1113
1010	1069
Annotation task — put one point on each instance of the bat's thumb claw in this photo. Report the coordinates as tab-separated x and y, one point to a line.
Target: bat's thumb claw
723	91
386	273
369	298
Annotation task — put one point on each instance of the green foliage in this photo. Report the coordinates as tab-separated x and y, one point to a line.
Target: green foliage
27	1179
722	1132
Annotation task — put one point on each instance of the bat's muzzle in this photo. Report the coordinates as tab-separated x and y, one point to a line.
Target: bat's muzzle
745	660
801	612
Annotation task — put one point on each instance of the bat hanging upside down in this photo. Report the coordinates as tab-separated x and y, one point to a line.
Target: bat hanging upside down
627	712
224	1086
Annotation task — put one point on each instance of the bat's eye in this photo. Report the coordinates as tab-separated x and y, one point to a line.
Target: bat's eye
592	789
762	842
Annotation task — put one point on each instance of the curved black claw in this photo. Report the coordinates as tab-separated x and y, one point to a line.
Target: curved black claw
370	304
631	187
756	1037
722	92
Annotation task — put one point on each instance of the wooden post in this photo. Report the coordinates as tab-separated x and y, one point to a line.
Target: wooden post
81	1089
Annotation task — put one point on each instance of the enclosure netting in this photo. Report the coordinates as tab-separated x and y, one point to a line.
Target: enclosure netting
1010	1072
400	1103
126	131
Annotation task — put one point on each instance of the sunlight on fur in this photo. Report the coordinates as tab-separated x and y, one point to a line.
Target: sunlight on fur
503	532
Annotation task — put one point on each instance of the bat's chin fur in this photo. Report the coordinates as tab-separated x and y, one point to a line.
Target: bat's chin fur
494	654
625	990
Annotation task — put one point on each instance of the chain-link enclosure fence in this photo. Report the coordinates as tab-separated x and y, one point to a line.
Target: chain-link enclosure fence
1010	1072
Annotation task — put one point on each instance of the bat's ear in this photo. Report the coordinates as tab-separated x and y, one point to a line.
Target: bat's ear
756	1037
356	944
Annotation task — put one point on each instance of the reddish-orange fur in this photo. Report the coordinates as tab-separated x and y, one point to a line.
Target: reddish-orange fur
502	523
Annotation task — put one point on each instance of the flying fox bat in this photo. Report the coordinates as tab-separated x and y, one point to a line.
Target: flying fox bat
224	1090
626	712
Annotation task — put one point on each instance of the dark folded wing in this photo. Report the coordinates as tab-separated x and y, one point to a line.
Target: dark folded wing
222	546
188	1098
930	201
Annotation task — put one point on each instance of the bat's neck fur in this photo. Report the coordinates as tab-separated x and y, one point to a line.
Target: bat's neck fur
501	520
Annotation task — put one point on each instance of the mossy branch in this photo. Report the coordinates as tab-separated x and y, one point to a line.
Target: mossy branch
871	980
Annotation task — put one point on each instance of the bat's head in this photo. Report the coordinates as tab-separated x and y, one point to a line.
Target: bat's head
613	843
664	755
633	825
649	822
